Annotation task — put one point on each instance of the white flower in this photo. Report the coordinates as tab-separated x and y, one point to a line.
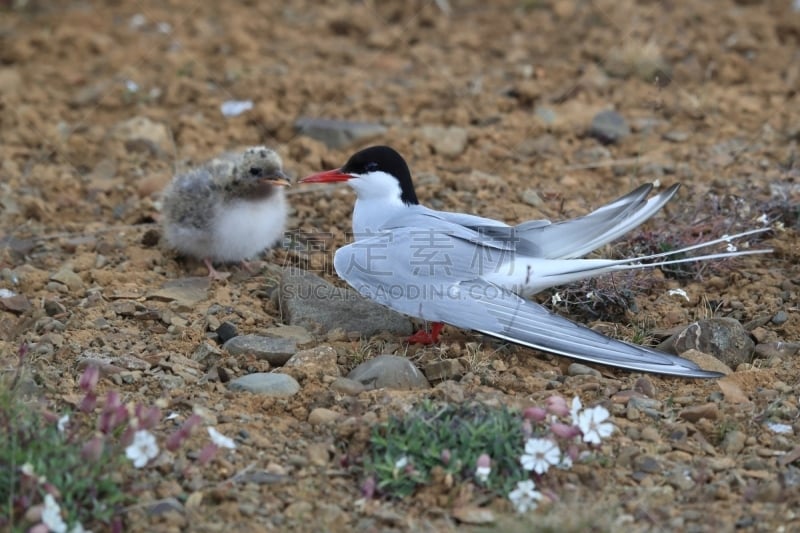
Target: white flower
142	449
401	463
51	515
62	423
27	469
593	425
524	497
482	473
539	455
764	219
576	407
221	440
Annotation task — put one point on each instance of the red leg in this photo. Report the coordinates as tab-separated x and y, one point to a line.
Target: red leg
423	337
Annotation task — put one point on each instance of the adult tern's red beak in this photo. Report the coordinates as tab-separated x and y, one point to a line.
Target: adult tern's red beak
329	176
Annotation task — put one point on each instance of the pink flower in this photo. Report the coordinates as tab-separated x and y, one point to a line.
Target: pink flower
534	414
557	405
89	378
369	487
207	453
175	440
148	417
564	431
88	403
93	449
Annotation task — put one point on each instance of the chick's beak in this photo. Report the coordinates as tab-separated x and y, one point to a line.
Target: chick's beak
279	178
329	176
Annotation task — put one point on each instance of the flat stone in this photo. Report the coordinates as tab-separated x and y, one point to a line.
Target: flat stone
676	136
647	464
141	131
298	334
320	361
694	413
68	277
645	386
609	127
321	415
17	303
780	350
166	505
706	361
206	353
448	141
187	292
389	371
273	349
780	318
313	303
532	198
592	154
444	369
267	383
348	386
579	369
733	442
471	514
336	133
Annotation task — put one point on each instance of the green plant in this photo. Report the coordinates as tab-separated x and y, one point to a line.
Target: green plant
406	449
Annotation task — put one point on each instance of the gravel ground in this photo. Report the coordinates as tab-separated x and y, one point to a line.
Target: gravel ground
496	109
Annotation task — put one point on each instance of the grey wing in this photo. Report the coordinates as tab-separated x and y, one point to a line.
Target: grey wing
577	237
500	313
423	223
383	269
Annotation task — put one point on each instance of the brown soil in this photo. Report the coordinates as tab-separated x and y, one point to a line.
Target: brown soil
710	90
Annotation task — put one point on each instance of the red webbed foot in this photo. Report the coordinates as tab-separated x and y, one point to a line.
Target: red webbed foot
423	337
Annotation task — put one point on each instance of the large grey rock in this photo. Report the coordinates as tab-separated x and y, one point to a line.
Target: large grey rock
724	338
390	372
337	134
276	350
279	385
313	303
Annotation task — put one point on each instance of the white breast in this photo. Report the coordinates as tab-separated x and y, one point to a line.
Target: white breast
244	229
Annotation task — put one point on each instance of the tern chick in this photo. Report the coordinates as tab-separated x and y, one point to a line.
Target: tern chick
228	210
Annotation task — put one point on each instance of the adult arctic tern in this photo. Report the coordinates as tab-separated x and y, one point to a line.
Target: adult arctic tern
474	272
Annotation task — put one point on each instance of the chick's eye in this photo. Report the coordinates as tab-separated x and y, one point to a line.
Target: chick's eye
372	166
255	171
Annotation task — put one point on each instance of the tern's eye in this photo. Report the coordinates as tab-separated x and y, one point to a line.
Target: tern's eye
372	166
255	171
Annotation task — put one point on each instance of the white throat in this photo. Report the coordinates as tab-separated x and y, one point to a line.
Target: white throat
377	200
